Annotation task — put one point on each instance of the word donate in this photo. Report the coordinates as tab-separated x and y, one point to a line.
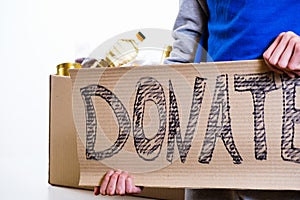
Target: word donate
193	110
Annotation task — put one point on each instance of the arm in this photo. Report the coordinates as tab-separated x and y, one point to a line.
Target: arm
117	183
283	55
190	23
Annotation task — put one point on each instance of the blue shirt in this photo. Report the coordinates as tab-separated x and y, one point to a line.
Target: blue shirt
244	29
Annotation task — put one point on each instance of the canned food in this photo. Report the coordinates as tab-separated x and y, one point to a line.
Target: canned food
63	69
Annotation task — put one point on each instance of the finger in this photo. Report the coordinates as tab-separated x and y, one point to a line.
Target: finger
121	182
268	53
111	187
105	182
96	190
291	74
294	62
281	48
280	71
284	59
278	47
136	190
297	73
130	187
273	68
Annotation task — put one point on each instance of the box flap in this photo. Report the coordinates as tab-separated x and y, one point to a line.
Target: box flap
209	125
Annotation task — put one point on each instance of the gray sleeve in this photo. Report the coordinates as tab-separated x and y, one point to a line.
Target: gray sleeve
188	28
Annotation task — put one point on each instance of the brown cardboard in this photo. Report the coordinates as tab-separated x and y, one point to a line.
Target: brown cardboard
242	130
63	161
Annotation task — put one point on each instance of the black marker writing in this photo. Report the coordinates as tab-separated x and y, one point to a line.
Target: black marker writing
174	121
91	121
149	89
258	85
220	105
291	116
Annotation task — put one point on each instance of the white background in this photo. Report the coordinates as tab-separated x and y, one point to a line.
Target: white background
35	36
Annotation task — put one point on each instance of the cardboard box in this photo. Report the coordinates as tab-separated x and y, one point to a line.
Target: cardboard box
63	160
211	125
267	156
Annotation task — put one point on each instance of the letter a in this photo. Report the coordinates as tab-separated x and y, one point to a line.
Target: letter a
220	105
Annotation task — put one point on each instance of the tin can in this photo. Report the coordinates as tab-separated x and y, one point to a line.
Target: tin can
63	69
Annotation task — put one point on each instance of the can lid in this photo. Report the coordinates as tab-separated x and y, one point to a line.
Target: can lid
63	68
140	36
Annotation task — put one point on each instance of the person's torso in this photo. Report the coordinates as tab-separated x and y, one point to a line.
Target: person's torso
243	29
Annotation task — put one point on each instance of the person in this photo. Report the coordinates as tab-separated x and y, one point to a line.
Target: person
227	31
240	30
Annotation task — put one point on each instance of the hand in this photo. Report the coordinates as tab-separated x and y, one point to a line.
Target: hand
283	56
117	182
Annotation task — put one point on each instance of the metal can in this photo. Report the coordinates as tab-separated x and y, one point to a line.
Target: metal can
63	69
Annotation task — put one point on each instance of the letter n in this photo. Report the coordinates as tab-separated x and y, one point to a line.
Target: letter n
174	122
